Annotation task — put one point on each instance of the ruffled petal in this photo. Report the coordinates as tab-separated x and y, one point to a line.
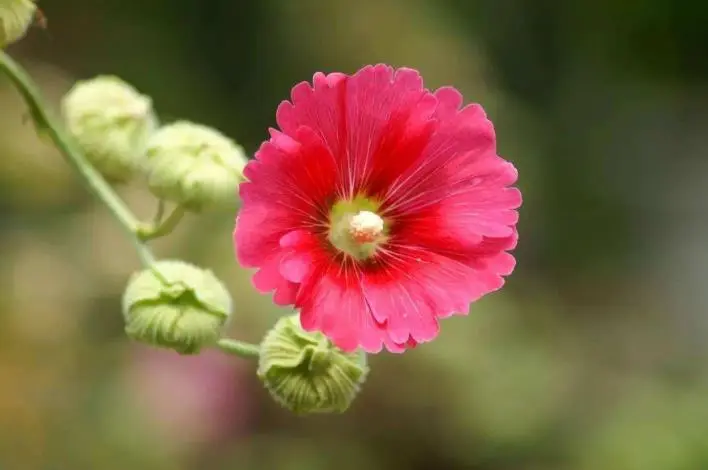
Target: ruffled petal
364	120
290	187
331	300
415	288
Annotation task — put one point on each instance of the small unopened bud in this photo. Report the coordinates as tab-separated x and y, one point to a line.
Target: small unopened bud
176	305
305	373
111	123
16	16
194	165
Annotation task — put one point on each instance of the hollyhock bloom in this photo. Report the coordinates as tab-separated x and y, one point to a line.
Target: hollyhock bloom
378	208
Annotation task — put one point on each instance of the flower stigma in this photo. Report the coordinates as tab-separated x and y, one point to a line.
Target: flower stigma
365	227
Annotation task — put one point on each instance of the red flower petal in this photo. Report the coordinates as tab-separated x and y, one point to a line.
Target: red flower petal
290	188
331	300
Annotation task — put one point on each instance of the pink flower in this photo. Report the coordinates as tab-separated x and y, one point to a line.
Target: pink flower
193	399
378	208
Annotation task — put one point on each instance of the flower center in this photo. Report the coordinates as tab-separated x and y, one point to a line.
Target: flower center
356	229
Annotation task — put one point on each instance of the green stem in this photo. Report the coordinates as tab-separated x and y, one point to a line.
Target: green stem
160	212
162	228
238	348
91	178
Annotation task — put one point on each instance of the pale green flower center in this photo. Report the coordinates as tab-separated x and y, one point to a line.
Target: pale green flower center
355	227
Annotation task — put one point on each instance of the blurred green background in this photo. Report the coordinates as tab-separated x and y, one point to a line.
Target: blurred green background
592	358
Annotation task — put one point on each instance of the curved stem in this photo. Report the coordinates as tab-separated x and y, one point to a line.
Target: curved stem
98	186
162	228
93	180
239	348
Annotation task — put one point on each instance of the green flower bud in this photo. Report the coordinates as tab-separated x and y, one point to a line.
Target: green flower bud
194	165
176	305
16	16
305	373
111	123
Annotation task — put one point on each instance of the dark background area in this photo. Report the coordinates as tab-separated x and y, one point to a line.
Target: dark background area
593	357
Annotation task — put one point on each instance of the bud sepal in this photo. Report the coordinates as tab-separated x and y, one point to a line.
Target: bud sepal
176	305
16	16
305	373
111	122
193	165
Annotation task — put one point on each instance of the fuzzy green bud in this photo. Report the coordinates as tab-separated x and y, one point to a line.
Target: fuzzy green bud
16	16
176	305
305	373
194	165
111	123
